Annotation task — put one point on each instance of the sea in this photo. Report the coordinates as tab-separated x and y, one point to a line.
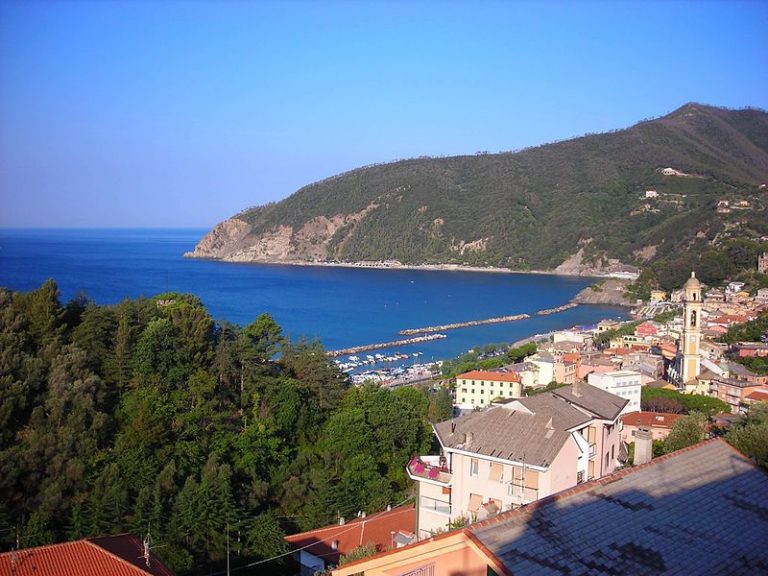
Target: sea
341	307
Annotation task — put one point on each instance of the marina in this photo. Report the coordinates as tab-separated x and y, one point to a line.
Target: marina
382	345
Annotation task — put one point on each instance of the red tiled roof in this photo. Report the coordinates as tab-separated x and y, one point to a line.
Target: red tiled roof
758	396
376	528
107	556
487	375
571	357
651	419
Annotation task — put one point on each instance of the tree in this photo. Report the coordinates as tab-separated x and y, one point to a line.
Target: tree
265	335
750	436
686	431
440	405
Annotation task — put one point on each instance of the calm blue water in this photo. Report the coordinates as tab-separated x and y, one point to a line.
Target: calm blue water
340	306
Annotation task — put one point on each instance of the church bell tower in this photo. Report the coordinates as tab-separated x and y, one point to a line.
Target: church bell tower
689	344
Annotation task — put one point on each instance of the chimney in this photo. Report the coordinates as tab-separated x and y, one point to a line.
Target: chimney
341	521
468	437
643	446
362	514
576	389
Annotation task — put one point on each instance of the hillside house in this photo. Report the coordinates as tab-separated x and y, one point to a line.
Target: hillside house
694	511
659	424
479	388
122	555
751	349
515	453
658	296
322	548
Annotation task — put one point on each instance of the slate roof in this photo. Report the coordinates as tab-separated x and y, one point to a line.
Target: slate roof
105	556
376	528
701	510
599	402
514	434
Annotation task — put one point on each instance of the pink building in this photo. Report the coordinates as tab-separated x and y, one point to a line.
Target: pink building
594	364
515	453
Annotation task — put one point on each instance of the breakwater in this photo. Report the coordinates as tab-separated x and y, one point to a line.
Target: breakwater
380	345
497	320
557	309
442	327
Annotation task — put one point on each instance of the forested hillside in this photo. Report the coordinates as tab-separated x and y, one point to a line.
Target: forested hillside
148	416
598	197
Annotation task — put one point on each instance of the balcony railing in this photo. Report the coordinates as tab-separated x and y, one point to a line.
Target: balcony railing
435	505
592	450
429	468
520	494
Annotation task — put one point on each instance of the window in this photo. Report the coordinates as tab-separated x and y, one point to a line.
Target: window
497	472
464	390
473	466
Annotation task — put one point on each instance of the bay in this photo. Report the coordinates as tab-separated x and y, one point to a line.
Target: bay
342	307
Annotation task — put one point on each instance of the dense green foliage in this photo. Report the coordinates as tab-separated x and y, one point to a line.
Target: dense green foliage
714	260
491	357
148	415
750	436
687	431
749	331
659	400
533	208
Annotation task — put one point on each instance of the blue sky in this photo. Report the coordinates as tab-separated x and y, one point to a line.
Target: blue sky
136	113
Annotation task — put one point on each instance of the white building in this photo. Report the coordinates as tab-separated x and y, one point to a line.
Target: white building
624	383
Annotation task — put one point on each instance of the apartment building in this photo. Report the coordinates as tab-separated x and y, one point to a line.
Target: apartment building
479	388
623	383
515	453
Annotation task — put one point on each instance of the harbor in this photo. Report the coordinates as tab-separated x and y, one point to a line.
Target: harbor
381	345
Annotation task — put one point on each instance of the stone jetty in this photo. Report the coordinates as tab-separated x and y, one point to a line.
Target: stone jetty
549	311
455	325
380	345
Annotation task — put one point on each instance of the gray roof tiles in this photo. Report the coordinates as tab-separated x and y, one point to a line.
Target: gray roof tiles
516	435
696	511
599	402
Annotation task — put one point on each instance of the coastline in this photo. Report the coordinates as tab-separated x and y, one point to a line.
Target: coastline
399	266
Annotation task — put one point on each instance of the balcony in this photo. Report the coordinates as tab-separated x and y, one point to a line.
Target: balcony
429	469
592	450
519	494
432	505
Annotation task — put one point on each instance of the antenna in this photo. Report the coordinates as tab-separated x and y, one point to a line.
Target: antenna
227	548
145	543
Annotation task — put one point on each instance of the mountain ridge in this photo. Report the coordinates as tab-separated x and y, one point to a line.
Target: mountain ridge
533	209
